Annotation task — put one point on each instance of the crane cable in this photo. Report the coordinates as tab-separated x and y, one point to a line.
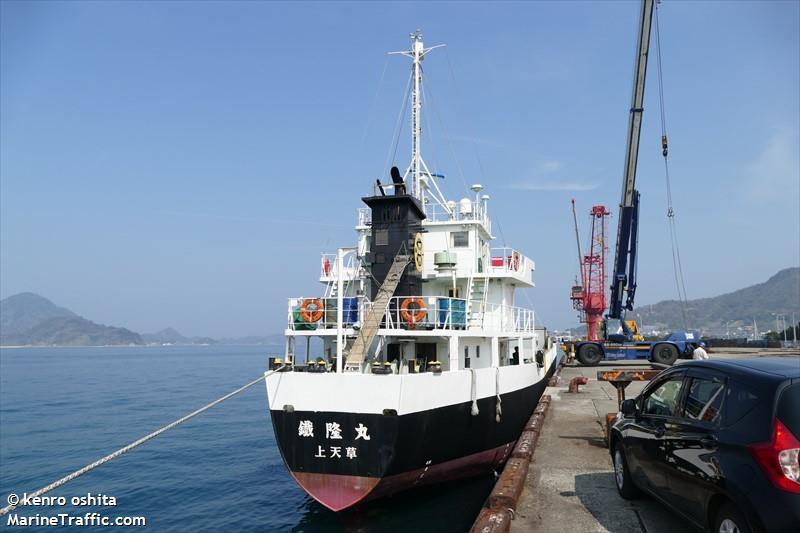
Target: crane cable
677	268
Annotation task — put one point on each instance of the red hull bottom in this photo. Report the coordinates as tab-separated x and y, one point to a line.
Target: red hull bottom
338	492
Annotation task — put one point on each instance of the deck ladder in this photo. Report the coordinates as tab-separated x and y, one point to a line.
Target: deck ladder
375	314
477	299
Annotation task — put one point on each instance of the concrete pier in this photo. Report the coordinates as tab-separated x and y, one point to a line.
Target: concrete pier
570	483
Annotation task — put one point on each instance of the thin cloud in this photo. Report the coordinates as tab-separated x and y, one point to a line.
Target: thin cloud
772	175
554	186
480	141
541	182
548	167
248	219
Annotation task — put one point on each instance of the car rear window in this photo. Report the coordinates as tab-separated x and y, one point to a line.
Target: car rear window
789	409
740	400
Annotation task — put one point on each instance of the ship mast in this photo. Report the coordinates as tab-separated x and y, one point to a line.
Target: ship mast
421	177
418	53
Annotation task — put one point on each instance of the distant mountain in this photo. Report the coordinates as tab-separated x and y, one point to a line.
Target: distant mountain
255	340
21	312
172	336
28	319
780	294
74	331
165	336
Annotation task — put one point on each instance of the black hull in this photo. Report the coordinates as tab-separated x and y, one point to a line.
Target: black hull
403	451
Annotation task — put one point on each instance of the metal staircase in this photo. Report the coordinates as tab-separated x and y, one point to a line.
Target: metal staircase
332	286
477	299
375	314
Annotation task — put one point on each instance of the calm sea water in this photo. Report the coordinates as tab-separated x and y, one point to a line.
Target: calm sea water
62	408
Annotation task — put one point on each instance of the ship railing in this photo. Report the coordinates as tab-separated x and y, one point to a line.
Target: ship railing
329	272
426	313
508	261
364	216
462	211
320	313
442	313
410	313
497	317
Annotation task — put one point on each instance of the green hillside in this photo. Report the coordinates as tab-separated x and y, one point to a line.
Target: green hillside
28	319
780	294
75	331
21	312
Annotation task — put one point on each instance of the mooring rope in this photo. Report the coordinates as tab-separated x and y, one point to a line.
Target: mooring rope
129	447
473	393
499	407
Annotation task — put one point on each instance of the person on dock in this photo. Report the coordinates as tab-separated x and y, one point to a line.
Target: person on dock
699	353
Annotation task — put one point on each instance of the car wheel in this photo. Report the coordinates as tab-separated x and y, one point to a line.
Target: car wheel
622	475
665	354
589	354
730	520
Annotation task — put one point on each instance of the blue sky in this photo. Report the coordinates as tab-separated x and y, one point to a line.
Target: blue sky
183	163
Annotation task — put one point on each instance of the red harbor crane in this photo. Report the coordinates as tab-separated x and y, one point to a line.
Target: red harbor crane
589	298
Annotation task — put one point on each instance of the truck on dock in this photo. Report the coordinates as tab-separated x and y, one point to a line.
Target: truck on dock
614	347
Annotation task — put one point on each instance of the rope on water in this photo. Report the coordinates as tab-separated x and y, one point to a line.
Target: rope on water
473	394
129	447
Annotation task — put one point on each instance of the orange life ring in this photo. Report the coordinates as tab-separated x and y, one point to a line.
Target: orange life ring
416	313
311	310
515	261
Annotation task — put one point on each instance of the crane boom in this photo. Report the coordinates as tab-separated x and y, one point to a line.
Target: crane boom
624	279
578	242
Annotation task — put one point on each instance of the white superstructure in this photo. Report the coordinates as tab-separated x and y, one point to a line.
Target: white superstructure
468	316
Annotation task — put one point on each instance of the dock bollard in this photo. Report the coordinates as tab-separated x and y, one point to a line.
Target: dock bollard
574	382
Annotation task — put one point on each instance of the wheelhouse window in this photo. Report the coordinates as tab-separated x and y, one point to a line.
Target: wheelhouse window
664	399
460	239
704	400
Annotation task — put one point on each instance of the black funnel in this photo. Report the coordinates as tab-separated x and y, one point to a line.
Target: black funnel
397	179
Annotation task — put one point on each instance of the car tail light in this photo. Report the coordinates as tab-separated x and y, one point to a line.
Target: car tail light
780	458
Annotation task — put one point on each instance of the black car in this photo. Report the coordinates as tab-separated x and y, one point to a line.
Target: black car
718	442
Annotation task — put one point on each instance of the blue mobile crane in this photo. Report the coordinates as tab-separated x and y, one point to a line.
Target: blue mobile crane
630	344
